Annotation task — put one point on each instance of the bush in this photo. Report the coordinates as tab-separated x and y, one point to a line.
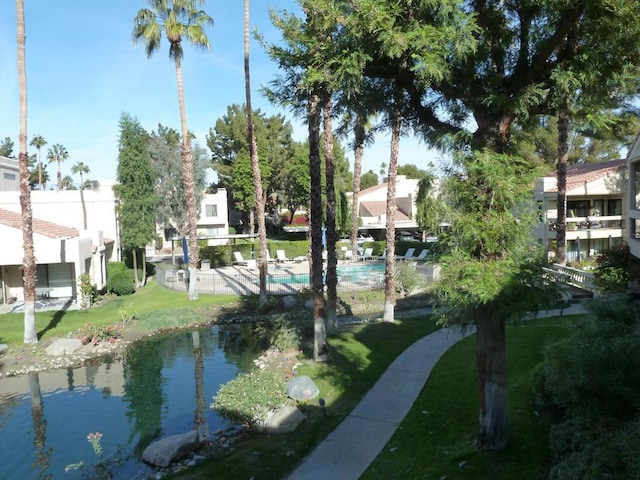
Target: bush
590	381
280	333
120	284
250	398
407	278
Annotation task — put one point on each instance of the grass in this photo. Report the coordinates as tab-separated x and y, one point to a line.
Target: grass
436	438
151	298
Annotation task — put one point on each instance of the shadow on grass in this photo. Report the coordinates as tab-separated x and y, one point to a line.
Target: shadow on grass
55	320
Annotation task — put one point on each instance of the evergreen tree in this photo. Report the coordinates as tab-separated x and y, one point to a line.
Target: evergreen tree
135	191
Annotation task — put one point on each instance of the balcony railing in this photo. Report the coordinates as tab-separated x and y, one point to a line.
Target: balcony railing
588	223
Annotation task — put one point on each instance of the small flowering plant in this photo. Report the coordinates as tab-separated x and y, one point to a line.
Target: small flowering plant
93	335
94	440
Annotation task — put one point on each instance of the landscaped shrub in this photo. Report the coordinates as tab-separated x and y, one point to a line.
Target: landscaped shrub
590	382
280	333
250	398
120	284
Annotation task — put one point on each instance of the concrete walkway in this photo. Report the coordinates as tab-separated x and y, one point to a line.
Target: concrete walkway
349	450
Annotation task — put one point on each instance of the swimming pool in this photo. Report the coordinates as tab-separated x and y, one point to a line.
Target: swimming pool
348	273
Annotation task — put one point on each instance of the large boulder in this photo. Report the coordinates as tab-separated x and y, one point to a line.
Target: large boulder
63	346
285	419
302	389
169	449
289	301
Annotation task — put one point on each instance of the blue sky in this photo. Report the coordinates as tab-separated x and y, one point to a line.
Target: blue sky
83	71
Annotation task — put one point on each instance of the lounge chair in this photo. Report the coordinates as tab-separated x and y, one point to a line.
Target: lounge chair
368	254
269	259
238	260
348	255
407	256
383	256
281	256
422	255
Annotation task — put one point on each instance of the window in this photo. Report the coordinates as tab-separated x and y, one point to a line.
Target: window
578	208
211	210
614	207
9	176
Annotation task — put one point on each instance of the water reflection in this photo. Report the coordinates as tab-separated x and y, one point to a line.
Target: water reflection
161	387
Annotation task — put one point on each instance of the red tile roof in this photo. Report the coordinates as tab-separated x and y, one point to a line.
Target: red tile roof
379	207
580	174
40	227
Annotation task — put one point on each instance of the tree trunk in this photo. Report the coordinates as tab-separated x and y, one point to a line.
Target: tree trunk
187	172
332	258
255	167
390	262
358	152
29	260
143	282
320	345
561	169
492	377
134	258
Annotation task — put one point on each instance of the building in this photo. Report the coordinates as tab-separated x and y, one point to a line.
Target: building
372	207
596	208
9	174
76	232
633	203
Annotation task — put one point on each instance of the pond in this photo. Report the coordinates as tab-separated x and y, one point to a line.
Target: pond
161	386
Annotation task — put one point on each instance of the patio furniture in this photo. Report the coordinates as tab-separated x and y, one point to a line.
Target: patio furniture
422	255
407	256
238	260
269	259
44	292
281	256
368	254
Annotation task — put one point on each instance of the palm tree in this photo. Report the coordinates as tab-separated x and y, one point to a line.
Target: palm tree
38	141
81	168
178	19
58	154
29	261
255	166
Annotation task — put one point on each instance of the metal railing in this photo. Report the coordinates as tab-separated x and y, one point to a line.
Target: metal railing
245	282
571	276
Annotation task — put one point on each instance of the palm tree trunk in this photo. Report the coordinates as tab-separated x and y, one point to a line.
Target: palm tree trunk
357	172
390	262
29	261
39	171
187	172
332	259
143	282
320	345
59	176
561	169
255	167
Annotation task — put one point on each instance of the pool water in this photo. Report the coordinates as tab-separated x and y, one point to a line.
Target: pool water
162	386
350	273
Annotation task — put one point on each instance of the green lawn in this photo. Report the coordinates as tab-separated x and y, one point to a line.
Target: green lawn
151	298
436	439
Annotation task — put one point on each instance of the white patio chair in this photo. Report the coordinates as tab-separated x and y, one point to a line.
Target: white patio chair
407	256
281	256
238	260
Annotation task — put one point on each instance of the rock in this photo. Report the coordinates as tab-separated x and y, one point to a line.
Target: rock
308	304
285	419
302	388
165	451
63	346
289	301
3	348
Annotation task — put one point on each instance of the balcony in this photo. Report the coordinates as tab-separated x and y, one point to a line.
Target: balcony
590	227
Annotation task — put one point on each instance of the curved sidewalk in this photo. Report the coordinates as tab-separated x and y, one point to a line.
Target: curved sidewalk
349	450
